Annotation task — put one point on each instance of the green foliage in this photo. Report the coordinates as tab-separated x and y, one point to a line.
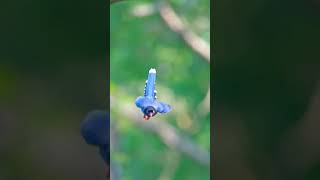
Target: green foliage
138	44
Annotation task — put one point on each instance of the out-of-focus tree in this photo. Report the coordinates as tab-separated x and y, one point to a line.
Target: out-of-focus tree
172	37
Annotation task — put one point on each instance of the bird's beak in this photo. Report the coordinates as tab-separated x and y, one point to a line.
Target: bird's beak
146	117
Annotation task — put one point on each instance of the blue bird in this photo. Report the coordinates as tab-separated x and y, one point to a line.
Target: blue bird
95	130
148	103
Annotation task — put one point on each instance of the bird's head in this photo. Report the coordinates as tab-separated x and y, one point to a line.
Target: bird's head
149	112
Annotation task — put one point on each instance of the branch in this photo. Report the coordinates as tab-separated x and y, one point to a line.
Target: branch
175	23
198	45
115	168
168	134
204	106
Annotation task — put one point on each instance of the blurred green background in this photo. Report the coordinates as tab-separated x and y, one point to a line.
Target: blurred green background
52	73
140	40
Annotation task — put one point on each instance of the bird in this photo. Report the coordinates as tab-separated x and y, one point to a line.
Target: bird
148	103
95	129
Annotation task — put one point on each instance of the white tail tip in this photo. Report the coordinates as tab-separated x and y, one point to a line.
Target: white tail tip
152	71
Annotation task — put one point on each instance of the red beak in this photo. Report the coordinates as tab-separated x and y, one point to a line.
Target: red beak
146	117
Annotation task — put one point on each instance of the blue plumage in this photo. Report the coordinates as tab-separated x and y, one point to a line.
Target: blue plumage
95	129
148	103
150	84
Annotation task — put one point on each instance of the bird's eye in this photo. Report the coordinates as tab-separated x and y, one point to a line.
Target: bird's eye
150	110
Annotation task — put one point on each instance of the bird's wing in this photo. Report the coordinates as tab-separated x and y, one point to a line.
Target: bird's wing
95	128
163	107
140	101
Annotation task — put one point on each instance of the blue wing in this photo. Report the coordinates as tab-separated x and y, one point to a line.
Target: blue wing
95	128
140	101
95	131
163	107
